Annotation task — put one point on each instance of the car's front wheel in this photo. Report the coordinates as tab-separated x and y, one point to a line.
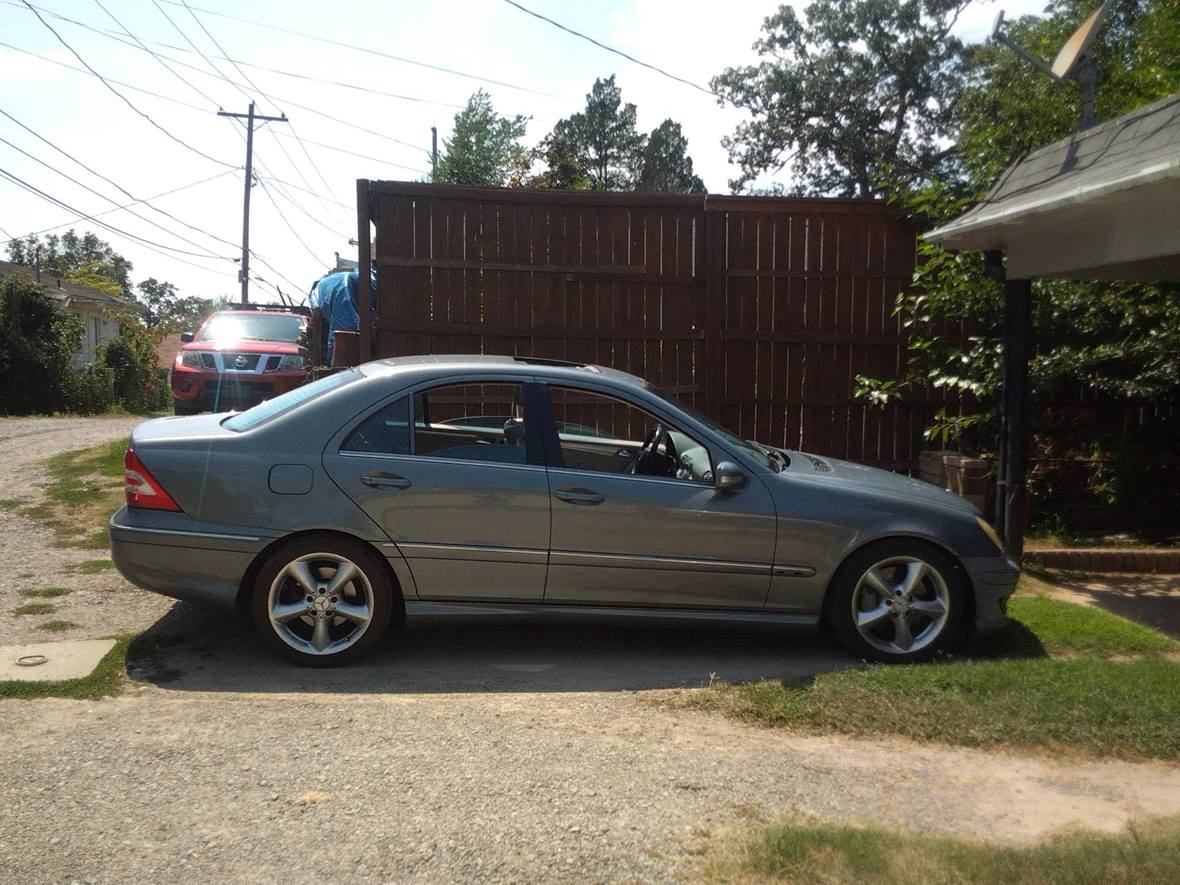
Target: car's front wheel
322	600
898	601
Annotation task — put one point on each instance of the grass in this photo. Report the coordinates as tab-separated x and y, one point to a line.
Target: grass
85	488
56	626
43	592
35	608
1062	677
1143	855
93	566
105	680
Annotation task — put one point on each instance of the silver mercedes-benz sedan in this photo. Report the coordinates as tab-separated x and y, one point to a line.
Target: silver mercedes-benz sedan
332	511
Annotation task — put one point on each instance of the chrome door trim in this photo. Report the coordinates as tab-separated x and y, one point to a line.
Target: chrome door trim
619	560
573	471
471	552
429	460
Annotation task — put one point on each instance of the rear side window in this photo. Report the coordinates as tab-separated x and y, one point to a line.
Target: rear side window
471	422
385	432
286	402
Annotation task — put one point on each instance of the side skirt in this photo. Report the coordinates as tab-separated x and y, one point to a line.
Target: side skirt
435	608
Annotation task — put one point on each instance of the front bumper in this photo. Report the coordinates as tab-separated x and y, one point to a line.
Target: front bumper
221	392
994	580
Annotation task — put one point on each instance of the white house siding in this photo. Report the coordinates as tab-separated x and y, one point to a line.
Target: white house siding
99	328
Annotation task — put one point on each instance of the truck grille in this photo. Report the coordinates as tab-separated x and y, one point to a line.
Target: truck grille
240	362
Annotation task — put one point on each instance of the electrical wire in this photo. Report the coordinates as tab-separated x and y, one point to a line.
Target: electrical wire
121	96
332	147
148	244
618	52
376	52
295	203
144	201
122	26
206	252
114	183
290	227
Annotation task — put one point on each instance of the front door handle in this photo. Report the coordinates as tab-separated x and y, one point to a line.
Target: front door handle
383	480
579	496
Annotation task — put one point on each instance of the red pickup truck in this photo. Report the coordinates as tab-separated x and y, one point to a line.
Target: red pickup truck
237	359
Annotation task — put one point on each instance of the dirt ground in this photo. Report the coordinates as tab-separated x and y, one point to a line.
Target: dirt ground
1149	599
495	748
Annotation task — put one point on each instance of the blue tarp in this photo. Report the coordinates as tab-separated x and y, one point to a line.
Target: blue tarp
334	296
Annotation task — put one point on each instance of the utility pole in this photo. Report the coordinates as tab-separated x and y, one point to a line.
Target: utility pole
434	155
250	117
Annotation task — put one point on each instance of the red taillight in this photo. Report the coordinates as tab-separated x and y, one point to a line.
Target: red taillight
141	487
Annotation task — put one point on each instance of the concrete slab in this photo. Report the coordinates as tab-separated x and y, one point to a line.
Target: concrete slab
72	659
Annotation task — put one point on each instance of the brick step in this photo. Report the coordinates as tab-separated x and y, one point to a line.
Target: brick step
1105	559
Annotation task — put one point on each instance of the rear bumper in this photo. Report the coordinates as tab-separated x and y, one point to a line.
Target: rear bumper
205	567
994	580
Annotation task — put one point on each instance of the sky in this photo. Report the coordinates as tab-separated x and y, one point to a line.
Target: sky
171	148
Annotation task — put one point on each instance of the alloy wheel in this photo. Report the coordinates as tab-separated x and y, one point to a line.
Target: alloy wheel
320	603
901	605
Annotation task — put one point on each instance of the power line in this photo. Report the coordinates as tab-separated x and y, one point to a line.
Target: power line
121	96
149	244
114	183
367	50
144	201
102	196
294	186
319	221
618	52
291	228
194	46
111	15
332	147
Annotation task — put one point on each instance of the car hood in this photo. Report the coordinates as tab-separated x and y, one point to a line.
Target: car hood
282	347
846	474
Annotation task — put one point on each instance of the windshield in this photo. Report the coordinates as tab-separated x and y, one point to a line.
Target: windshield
753	450
225	328
272	408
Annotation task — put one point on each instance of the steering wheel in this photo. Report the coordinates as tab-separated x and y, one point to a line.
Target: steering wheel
647	452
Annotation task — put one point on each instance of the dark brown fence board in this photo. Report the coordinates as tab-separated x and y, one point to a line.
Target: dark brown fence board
760	311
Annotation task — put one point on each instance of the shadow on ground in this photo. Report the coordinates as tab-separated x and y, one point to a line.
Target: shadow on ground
191	649
1151	599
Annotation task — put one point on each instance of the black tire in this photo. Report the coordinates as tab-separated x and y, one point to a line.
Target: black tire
883	638
180	407
319	551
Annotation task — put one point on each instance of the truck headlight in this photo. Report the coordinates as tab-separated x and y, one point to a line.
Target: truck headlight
990	532
189	358
290	364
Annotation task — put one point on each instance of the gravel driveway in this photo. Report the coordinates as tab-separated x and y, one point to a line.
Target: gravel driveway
500	748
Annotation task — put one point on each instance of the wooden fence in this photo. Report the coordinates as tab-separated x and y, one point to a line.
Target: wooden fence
759	311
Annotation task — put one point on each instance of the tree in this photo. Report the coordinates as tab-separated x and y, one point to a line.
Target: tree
162	309
484	148
563	166
665	164
38	338
604	138
854	91
69	256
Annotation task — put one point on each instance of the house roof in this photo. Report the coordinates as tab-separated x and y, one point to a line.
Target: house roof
59	288
1103	203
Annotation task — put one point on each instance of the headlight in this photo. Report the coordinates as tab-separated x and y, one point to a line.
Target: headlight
290	363
990	532
189	358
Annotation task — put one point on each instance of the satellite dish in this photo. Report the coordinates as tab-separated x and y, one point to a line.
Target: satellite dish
1078	45
1074	61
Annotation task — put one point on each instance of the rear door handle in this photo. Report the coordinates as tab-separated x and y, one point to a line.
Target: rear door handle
579	496
383	480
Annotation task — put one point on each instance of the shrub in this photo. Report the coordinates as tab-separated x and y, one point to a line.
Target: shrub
132	357
90	391
38	338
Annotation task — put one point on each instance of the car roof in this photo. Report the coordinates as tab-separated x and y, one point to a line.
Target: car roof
523	365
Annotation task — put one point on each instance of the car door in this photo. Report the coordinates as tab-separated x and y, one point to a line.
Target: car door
625	538
465	498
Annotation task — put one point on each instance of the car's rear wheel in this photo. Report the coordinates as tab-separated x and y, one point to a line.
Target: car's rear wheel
182	407
322	600
898	601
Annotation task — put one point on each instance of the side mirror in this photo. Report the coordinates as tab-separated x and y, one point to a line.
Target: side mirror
728	477
186	337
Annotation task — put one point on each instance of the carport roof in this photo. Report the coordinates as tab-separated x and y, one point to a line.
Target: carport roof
1103	203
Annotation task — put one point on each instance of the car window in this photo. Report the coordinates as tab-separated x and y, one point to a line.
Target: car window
471	422
385	432
609	435
285	402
